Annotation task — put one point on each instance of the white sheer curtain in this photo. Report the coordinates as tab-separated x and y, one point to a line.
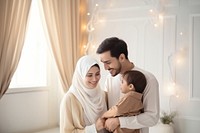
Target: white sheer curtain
66	20
13	22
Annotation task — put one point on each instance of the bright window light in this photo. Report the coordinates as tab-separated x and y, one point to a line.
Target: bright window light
32	68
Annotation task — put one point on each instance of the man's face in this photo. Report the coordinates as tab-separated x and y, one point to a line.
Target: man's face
111	64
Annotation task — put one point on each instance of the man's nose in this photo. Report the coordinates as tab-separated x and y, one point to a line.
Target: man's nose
106	67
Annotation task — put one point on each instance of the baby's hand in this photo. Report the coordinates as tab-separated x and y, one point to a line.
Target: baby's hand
103	117
100	124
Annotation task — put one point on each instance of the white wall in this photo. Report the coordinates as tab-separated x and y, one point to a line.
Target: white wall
28	110
157	49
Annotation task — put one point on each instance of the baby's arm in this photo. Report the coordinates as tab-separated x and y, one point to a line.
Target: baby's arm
112	112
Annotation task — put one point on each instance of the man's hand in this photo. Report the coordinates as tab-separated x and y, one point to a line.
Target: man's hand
100	124
111	124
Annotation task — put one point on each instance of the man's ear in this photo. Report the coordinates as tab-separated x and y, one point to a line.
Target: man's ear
121	57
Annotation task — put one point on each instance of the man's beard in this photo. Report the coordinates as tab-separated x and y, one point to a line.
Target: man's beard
117	71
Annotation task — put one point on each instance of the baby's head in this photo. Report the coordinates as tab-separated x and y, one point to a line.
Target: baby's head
133	80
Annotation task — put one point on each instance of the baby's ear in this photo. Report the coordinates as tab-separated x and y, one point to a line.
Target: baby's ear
131	87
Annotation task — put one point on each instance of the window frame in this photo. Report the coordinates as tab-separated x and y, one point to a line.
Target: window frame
51	75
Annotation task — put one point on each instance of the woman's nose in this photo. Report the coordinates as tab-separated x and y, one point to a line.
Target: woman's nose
94	78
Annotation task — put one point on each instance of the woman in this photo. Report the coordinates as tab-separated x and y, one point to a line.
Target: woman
85	102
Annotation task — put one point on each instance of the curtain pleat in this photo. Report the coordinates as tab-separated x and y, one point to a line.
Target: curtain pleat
13	22
65	21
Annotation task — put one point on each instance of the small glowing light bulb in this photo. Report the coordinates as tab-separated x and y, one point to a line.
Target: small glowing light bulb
178	61
160	17
155	25
92	29
171	88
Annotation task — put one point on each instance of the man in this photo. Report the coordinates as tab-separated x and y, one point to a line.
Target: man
114	55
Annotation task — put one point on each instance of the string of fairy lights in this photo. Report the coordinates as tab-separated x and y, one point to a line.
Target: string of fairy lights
155	18
94	19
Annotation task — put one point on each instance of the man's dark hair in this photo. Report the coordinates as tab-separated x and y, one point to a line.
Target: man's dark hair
115	45
137	79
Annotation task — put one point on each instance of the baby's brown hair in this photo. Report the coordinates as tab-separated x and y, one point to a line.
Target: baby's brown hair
136	78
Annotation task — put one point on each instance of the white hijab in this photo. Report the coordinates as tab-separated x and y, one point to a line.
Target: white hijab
92	100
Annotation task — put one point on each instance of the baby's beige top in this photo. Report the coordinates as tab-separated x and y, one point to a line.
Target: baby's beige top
129	105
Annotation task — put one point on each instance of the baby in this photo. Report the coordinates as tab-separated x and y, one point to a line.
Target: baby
132	85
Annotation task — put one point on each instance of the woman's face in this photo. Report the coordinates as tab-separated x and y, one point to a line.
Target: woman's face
92	77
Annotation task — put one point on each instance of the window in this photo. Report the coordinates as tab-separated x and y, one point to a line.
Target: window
32	68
